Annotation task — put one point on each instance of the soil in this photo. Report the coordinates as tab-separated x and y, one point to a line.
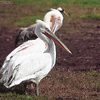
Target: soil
83	41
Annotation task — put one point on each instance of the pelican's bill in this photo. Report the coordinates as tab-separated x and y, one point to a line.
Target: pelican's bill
49	34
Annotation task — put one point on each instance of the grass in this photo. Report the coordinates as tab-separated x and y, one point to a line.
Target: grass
14	96
24	13
91	16
57	2
27	21
94	73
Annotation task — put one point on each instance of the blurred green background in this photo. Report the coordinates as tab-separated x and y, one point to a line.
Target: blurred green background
25	12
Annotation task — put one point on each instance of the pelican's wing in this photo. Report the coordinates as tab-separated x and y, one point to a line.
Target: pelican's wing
26	68
26	33
31	46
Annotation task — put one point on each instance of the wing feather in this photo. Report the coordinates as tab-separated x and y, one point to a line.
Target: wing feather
30	67
31	46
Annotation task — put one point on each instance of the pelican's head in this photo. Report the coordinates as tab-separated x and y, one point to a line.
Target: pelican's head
57	20
41	25
44	32
62	11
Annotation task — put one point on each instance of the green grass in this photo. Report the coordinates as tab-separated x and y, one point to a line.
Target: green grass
87	2
57	2
91	15
26	21
76	8
94	73
14	96
25	12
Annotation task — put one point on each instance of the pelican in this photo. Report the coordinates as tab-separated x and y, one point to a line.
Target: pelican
19	67
28	33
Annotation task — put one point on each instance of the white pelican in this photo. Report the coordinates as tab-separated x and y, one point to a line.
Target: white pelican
29	32
20	67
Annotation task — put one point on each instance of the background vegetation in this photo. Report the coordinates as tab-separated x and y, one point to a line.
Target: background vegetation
25	12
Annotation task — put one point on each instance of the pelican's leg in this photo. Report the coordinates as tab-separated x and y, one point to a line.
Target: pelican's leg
29	88
37	89
32	86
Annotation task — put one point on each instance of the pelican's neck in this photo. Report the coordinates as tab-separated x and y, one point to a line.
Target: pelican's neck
49	18
52	50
